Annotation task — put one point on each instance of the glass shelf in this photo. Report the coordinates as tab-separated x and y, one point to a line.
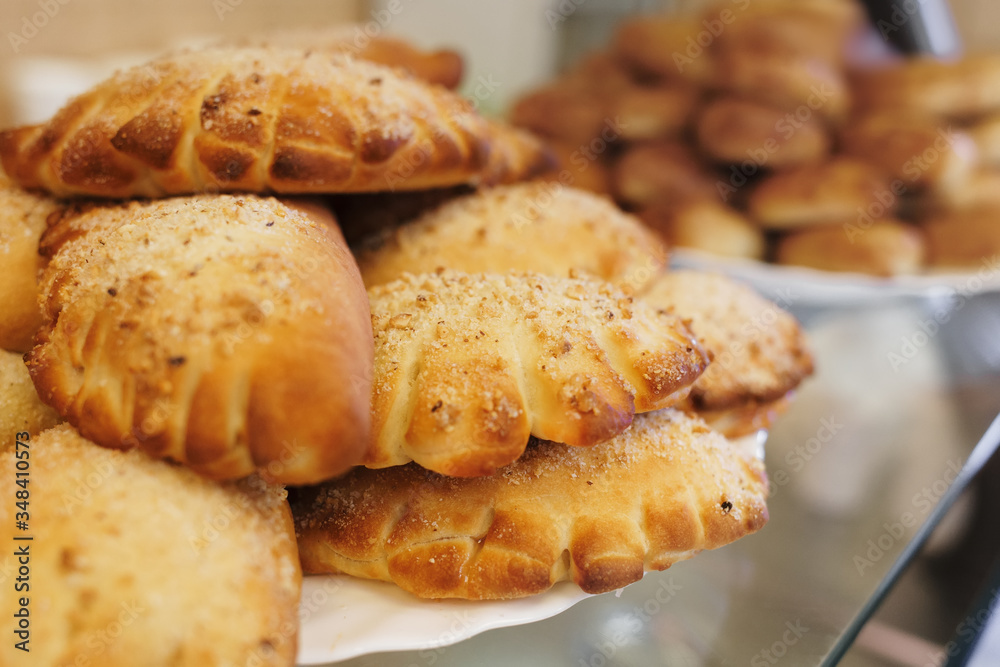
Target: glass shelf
875	447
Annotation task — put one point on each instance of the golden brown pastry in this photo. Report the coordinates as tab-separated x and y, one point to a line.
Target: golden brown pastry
744	419
791	29
735	130
565	110
228	333
21	411
916	149
821	194
759	351
883	248
22	221
649	113
806	88
706	225
467	366
136	561
253	120
657	494
515	155
968	239
955	89
665	47
443	67
986	135
578	167
648	173
979	189
536	227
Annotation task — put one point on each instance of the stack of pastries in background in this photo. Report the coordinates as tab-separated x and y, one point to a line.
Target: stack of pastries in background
495	386
745	131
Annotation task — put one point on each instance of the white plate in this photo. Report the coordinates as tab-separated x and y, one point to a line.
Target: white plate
343	617
800	284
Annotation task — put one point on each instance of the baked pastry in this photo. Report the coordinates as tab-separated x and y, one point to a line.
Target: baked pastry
21	411
703	224
916	149
665	171
256	120
804	87
228	333
735	131
882	248
980	189
566	111
657	494
799	30
961	89
986	135
822	194
664	47
534	227
442	67
515	155
758	350
966	239
647	113
467	366
361	215
23	217
135	557
744	419
578	168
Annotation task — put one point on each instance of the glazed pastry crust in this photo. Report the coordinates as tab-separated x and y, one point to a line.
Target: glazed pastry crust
23	218
228	333
657	494
467	366
257	120
759	351
136	557
537	227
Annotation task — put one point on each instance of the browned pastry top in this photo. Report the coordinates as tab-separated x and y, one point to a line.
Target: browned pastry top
467	366
229	333
136	557
658	493
537	227
759	351
258	120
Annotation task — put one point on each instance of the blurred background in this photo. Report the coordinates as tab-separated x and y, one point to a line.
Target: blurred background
519	43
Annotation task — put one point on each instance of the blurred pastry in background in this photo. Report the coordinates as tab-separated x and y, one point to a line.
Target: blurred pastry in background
578	167
706	225
443	66
229	333
659	493
967	239
919	150
883	248
820	194
733	130
759	351
536	227
666	171
21	411
260	120
196	572
985	132
23	218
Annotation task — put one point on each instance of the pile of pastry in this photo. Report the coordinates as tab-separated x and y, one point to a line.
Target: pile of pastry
743	132
496	388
